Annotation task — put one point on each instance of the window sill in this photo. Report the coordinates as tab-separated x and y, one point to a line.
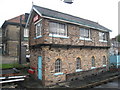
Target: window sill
60	73
86	39
78	70
104	65
59	36
93	67
37	37
102	41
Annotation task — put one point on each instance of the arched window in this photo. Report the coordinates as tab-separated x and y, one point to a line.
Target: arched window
78	63
93	61
104	60
58	65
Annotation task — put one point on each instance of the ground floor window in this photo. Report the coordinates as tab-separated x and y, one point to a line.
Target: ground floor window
93	61
78	63
104	60
57	66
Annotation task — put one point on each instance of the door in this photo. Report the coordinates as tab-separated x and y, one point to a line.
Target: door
40	67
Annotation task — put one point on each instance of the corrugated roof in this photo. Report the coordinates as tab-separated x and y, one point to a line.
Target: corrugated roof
70	18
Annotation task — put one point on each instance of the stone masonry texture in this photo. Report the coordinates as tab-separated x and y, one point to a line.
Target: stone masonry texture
67	54
68	57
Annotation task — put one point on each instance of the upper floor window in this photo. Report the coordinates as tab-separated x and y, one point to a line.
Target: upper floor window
84	33
93	61
57	66
26	32
57	29
102	36
38	28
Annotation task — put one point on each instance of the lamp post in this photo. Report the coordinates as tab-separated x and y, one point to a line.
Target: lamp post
68	1
20	39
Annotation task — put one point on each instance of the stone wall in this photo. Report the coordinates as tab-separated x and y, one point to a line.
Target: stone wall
12	48
73	36
68	57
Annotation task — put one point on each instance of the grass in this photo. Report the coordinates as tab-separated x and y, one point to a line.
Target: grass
14	65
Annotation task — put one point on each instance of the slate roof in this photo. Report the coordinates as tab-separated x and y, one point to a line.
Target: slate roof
73	19
16	20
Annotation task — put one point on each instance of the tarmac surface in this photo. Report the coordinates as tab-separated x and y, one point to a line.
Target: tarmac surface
114	84
8	59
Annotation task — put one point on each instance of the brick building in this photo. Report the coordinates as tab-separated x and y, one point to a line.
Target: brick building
62	45
11	34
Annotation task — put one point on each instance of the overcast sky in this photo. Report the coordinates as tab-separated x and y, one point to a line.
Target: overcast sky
105	12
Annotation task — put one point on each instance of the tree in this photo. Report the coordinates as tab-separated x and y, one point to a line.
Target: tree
118	38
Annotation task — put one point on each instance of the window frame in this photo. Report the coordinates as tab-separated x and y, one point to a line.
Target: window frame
40	30
26	33
104	37
93	64
78	65
58	28
58	65
89	34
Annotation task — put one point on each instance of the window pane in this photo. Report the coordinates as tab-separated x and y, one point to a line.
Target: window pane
38	29
58	65
84	33
93	62
81	32
102	36
78	63
53	28
57	28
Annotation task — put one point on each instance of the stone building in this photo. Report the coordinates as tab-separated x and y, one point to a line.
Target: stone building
62	45
11	34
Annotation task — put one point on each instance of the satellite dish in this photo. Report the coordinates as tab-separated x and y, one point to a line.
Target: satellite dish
68	1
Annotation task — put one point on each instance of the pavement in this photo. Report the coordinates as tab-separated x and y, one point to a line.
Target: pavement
8	60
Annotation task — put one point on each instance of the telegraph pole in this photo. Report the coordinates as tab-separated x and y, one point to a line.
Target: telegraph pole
20	39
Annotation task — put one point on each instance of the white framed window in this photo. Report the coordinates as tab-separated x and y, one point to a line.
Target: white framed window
57	29
104	61
38	26
85	34
58	66
26	32
102	37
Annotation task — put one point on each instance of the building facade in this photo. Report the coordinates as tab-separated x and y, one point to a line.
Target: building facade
11	35
62	45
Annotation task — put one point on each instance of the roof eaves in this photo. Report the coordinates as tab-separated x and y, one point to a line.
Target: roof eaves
37	11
